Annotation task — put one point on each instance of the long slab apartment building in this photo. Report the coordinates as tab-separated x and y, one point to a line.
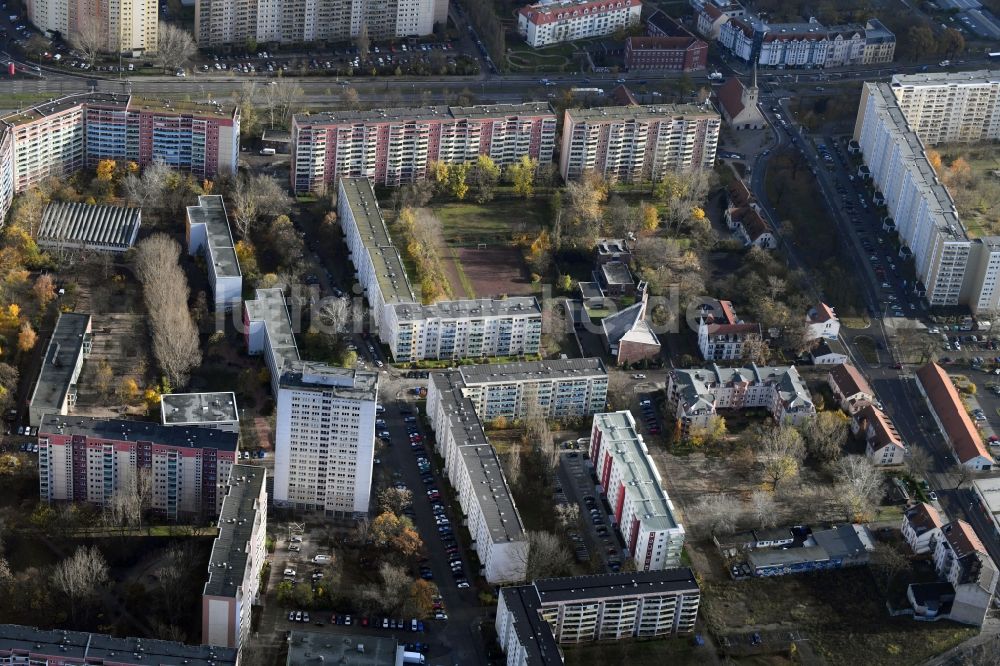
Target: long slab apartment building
533	620
895	121
457	404
234	23
476	328
60	137
638	143
395	146
325	429
554	21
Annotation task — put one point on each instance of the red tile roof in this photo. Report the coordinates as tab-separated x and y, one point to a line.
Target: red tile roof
946	403
885	432
727	311
622	96
711	10
551	12
923	517
822	313
849	380
962	538
662	43
730	96
754	225
739	195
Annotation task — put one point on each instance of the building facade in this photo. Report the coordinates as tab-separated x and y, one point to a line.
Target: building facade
641	510
951	418
849	388
208	234
921	527
696	395
638	143
547	23
238	555
651	604
182	470
413	331
396	146
57	138
234	23
58	647
721	334
883	444
129	26
950	107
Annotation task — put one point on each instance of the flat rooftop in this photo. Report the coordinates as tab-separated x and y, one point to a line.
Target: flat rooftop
425	113
85	225
344	383
647	113
59	363
211	211
198	408
989	492
481	307
552	369
616	272
63	104
643	484
980	77
385	257
771	557
609	586
179	107
533	633
307	647
59	646
493	494
122	430
269	307
227	566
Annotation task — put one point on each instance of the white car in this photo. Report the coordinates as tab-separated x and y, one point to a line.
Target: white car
638	376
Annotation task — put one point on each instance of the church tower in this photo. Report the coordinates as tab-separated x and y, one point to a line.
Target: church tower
751	93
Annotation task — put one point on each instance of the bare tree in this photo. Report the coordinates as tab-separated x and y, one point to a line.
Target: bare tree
246	100
333	315
755	349
363	42
825	436
567	514
779	453
514	464
281	97
917	463
862	486
89	37
763	506
720	513
175	336
255	197
887	563
175	46
394	590
394	500
546	556
80	576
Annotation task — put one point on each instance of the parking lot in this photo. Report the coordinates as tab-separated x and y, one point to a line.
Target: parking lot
598	539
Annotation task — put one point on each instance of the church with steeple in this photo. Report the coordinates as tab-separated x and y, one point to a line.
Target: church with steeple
738	103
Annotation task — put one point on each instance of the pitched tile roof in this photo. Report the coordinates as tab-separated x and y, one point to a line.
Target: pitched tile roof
923	517
821	313
730	96
849	380
946	403
962	538
885	433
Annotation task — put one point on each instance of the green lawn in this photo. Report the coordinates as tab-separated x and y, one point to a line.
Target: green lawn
555	58
468	223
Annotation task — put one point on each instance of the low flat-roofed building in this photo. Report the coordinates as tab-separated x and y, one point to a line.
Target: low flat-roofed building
616	279
55	389
988	499
80	226
208	233
52	647
215	410
238	555
306	647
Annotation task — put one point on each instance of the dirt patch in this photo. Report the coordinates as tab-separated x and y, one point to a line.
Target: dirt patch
495	270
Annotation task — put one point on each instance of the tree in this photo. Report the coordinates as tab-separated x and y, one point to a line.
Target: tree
165	291
391	531
363	42
779	453
422	595
287	242
457	185
174	46
545	556
26	337
720	513
246	101
825	436
522	176
484	175
281	98
887	563
918	463
710	433
763	506
756	349
394	500
128	390
862	484
919	41
8	385
333	315
567	514
44	290
88	38
103	377
951	43
256	196
650	217
80	576
513	459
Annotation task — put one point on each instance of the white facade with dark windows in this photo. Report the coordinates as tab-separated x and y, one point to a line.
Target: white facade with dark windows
554	21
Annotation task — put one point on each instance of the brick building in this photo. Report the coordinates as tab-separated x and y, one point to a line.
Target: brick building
679	54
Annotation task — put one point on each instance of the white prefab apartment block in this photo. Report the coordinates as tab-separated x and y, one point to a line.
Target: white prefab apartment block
112	26
413	332
642	604
208	234
948	107
953	268
238	555
642	512
554	21
325	438
638	143
474	472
